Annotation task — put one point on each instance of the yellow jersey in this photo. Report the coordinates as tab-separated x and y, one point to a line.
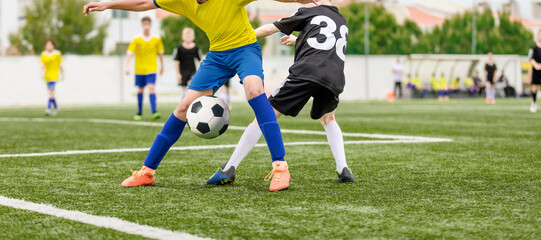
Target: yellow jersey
434	84
224	21
468	82
455	83
443	84
416	82
146	51
51	61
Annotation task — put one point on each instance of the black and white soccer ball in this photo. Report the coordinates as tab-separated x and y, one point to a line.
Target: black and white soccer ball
208	117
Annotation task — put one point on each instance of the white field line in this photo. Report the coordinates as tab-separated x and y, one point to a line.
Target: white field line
152	124
205	147
389	139
99	221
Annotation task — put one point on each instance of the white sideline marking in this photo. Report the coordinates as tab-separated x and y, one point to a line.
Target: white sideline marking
99	221
390	139
152	124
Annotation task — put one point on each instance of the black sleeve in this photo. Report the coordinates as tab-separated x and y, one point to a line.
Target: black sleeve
198	56
177	54
288	25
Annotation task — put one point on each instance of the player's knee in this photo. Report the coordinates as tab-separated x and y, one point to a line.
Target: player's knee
140	90
327	118
151	88
180	111
253	86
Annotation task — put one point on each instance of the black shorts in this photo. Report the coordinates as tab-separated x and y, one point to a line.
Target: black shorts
536	78
186	77
290	98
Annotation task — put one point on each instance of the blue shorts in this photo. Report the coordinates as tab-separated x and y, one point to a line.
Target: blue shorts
220	66
142	80
51	85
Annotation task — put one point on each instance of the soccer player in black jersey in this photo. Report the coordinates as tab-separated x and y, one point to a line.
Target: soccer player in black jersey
535	59
318	73
185	59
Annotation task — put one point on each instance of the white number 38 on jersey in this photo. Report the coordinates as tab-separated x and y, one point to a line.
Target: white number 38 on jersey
330	41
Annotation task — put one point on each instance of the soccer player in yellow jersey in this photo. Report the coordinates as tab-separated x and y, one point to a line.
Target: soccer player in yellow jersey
146	48
51	68
233	50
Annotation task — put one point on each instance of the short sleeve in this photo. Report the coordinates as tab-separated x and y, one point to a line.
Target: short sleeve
291	24
42	61
132	47
530	54
198	56
174	6
176	54
245	2
160	46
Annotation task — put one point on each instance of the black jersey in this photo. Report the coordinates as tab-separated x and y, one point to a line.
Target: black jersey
320	47
491	70
187	57
535	54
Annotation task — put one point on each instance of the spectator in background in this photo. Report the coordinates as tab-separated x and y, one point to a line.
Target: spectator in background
187	59
417	86
443	88
490	69
470	84
398	73
501	84
454	87
479	83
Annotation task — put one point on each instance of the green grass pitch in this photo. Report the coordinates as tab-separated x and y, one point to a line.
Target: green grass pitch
486	184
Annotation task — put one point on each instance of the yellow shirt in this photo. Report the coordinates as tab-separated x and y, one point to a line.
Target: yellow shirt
442	84
455	83
146	52
434	84
224	21
416	81
468	82
51	61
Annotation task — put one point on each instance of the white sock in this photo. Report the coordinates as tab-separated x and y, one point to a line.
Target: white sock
336	141
249	139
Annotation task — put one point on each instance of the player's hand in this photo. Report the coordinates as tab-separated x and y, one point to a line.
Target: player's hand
93	7
288	40
161	71
179	78
127	71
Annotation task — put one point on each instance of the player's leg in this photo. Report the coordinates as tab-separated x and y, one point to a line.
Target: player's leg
52	102
151	85
140	82
226	172
170	133
533	107
206	81
324	108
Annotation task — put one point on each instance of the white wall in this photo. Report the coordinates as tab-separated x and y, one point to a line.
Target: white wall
100	80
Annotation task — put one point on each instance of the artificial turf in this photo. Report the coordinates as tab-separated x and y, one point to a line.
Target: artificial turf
484	185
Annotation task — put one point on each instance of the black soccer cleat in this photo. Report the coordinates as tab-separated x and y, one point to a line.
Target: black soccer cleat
222	177
345	176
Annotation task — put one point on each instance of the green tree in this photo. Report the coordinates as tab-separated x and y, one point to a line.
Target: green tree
386	35
172	33
455	35
62	21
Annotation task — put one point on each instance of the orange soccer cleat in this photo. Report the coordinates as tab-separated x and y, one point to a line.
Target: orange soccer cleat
279	175
140	178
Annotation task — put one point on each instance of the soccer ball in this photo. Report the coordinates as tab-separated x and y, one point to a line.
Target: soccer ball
208	117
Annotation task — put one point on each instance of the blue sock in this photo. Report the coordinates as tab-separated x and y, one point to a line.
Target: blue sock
140	103
152	97
269	126
170	133
50	103
54	103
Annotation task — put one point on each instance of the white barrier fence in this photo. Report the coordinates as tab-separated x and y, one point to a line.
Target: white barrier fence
100	80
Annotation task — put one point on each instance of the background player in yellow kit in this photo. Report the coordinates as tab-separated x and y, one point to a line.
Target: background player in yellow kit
51	69
146	48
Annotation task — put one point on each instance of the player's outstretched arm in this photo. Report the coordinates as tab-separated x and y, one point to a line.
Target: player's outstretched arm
129	5
288	40
266	30
300	1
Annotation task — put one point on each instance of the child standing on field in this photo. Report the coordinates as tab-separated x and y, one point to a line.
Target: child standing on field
187	56
51	69
146	48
